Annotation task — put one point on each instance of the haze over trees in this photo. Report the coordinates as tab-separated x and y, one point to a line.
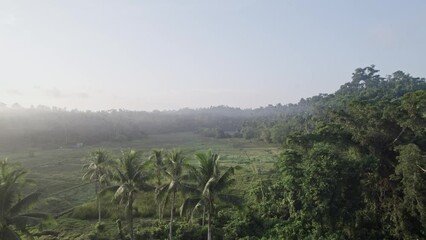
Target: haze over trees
351	166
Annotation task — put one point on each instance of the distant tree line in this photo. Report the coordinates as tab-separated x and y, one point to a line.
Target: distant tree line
54	127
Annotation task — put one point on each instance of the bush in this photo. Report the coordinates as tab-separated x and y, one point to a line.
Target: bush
143	206
88	211
182	231
100	227
186	231
150	233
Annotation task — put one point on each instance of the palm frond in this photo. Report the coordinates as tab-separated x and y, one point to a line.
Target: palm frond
143	186
210	183
190	188
166	198
224	180
25	203
161	192
188	205
21	222
9	192
9	234
43	216
109	190
11	183
231	199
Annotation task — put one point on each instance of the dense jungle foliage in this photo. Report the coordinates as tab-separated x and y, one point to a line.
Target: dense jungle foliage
352	166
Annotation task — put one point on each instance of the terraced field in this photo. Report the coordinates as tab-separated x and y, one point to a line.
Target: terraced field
58	173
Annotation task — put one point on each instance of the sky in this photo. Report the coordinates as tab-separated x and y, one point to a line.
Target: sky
147	55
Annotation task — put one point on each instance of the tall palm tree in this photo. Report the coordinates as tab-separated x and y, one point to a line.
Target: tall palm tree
130	179
97	171
12	204
157	159
175	164
212	185
206	168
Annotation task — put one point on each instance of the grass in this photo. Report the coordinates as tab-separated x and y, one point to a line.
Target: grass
56	170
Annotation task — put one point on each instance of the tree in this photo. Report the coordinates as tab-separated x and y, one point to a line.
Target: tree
157	159
175	164
130	179
97	171
410	213
12	204
212	185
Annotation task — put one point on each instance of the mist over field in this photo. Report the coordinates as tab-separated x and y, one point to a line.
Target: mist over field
216	120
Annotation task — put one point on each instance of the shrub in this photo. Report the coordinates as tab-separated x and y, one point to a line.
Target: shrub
88	211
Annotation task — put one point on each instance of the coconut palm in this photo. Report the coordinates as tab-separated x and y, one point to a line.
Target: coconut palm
157	159
12	204
97	171
212	185
206	168
130	179
175	164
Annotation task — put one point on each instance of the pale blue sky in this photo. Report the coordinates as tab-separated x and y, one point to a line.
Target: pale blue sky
145	55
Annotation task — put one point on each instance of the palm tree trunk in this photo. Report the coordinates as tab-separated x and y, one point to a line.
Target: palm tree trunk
204	214
159	211
171	215
130	212
209	229
120	229
98	202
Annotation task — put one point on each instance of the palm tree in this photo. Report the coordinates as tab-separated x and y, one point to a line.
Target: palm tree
130	180
205	171
175	164
157	159
212	185
12	204
97	171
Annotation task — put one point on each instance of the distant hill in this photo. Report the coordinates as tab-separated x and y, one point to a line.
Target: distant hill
45	126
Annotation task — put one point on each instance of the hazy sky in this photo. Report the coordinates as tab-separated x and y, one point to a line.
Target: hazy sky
145	55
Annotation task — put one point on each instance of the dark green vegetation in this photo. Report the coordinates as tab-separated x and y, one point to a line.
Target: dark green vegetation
351	166
14	221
